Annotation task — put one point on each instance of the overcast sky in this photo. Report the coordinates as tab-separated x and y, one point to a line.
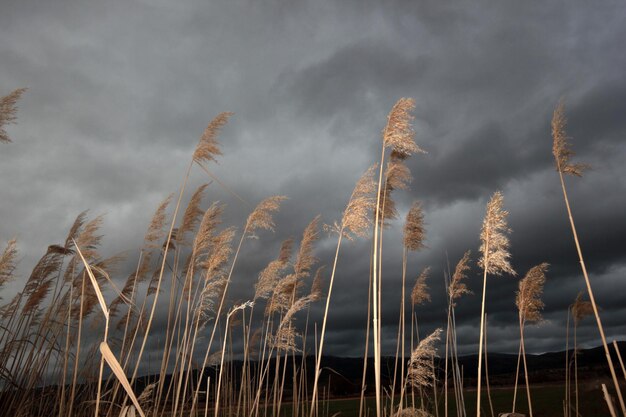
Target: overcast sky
120	91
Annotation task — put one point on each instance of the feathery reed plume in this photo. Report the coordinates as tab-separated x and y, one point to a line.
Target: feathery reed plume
414	228
193	214
210	220
317	291
88	239
219	254
10	308
457	288
494	241
146	398
399	134
7	262
74	231
420	368
356	218
286	334
305	259
581	308
8	112
561	148
411	412
270	275
528	299
155	232
208	147
397	177
261	217
419	294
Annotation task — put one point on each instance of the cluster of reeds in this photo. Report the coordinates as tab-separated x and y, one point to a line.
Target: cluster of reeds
51	364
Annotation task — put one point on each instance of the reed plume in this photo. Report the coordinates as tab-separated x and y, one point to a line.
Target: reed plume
305	259
399	134
74	231
495	258
155	233
561	147
210	220
261	217
8	112
420	367
411	412
420	294
581	308
356	219
317	290
208	148
414	228
528	298
270	275
457	287
397	177
193	214
7	262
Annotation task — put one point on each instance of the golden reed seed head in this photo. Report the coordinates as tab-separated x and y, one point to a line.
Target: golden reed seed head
414	232
420	369
581	309
210	220
305	259
561	148
419	294
208	147
411	412
8	112
270	275
494	246
528	299
7	262
193	214
457	288
155	234
357	217
261	217
399	134
317	291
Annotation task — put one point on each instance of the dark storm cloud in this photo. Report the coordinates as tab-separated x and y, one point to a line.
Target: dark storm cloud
119	93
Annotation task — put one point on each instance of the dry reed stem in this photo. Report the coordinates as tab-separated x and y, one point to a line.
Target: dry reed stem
494	260
115	366
561	155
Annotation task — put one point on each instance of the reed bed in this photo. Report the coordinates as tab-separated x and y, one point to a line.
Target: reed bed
185	268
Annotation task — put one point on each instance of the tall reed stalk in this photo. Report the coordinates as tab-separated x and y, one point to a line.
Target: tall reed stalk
562	152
